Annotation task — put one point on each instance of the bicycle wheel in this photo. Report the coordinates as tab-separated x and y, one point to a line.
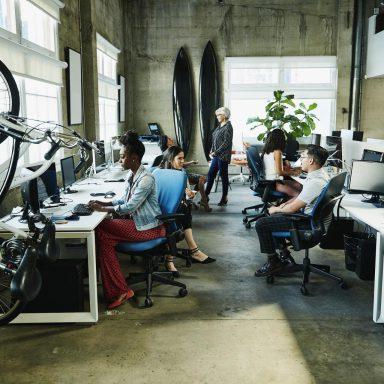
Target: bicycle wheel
9	307
9	106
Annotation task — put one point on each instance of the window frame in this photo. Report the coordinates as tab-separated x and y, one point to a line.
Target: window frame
310	91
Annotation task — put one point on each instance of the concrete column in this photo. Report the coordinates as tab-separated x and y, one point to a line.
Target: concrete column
89	61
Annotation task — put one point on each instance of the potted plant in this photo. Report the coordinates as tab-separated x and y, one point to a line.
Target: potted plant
282	113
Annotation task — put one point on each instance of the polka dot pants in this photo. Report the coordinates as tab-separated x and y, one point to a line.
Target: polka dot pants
108	234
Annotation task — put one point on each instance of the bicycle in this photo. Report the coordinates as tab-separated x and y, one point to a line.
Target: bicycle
20	279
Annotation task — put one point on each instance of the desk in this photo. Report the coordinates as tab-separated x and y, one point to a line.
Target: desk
374	217
81	229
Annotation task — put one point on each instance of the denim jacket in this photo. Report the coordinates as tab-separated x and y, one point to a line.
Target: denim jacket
139	200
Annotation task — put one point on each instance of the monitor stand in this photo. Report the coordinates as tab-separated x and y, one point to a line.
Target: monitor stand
68	191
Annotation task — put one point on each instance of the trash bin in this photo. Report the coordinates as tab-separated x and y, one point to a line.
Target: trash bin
359	250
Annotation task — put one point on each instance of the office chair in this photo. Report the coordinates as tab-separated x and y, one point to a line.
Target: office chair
170	186
261	187
319	220
157	161
291	148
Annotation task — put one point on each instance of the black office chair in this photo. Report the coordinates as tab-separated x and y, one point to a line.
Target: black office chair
261	187
318	221
170	186
291	150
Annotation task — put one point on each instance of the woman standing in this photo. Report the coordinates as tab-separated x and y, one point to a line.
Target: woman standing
221	153
136	212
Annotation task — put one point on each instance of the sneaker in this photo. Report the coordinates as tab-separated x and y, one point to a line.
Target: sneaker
273	265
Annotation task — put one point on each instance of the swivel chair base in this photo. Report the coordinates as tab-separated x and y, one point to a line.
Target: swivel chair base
150	276
306	268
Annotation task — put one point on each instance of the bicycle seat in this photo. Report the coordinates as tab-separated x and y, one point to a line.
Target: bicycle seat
82	210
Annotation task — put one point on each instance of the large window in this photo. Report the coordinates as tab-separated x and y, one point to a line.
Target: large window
28	46
108	88
250	82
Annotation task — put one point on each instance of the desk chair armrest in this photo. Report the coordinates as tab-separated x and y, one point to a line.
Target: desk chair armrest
168	218
297	216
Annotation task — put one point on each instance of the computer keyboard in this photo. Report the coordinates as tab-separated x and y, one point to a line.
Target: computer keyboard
82	210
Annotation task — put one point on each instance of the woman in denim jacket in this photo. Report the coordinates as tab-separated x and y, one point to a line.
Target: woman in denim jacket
138	208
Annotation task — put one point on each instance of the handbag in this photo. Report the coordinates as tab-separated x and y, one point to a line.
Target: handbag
339	226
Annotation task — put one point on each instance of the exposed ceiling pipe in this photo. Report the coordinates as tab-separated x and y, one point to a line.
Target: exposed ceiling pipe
356	68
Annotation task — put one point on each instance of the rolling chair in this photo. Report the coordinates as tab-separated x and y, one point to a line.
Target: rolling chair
170	186
318	221
291	148
261	187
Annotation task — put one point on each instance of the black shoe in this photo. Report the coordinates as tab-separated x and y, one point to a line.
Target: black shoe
223	202
175	274
208	260
272	266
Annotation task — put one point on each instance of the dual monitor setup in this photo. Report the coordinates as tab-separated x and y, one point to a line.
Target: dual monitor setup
37	191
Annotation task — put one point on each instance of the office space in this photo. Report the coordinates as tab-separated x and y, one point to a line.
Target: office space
139	104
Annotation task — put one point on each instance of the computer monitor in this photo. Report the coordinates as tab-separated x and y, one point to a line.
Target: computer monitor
99	161
333	141
370	155
316	138
358	135
47	184
336	133
367	177
154	129
68	173
34	192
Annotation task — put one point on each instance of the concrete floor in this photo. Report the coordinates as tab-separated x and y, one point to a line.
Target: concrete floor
232	327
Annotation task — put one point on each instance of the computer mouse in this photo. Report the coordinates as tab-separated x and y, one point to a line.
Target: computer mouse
109	194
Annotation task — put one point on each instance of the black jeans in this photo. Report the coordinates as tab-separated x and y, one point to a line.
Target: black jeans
274	223
216	165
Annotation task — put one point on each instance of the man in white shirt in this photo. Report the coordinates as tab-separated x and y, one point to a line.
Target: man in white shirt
312	160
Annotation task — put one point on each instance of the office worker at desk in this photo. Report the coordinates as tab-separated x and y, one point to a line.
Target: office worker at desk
275	169
136	219
313	159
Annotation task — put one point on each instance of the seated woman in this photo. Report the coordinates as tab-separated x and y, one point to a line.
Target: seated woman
174	159
274	169
136	219
193	178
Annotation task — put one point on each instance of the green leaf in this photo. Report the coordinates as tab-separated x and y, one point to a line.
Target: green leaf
278	94
312	106
290	97
306	130
299	112
251	120
290	102
269	105
260	137
302	105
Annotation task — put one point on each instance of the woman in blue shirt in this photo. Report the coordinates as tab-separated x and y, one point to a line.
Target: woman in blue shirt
136	213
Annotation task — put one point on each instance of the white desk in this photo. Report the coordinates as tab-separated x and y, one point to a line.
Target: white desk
374	217
81	229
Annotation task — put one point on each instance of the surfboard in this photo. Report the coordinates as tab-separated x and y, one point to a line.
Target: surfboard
209	97
182	100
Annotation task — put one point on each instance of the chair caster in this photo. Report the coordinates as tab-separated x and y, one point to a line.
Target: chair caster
247	225
304	291
183	292
270	279
245	220
343	285
244	211
148	302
